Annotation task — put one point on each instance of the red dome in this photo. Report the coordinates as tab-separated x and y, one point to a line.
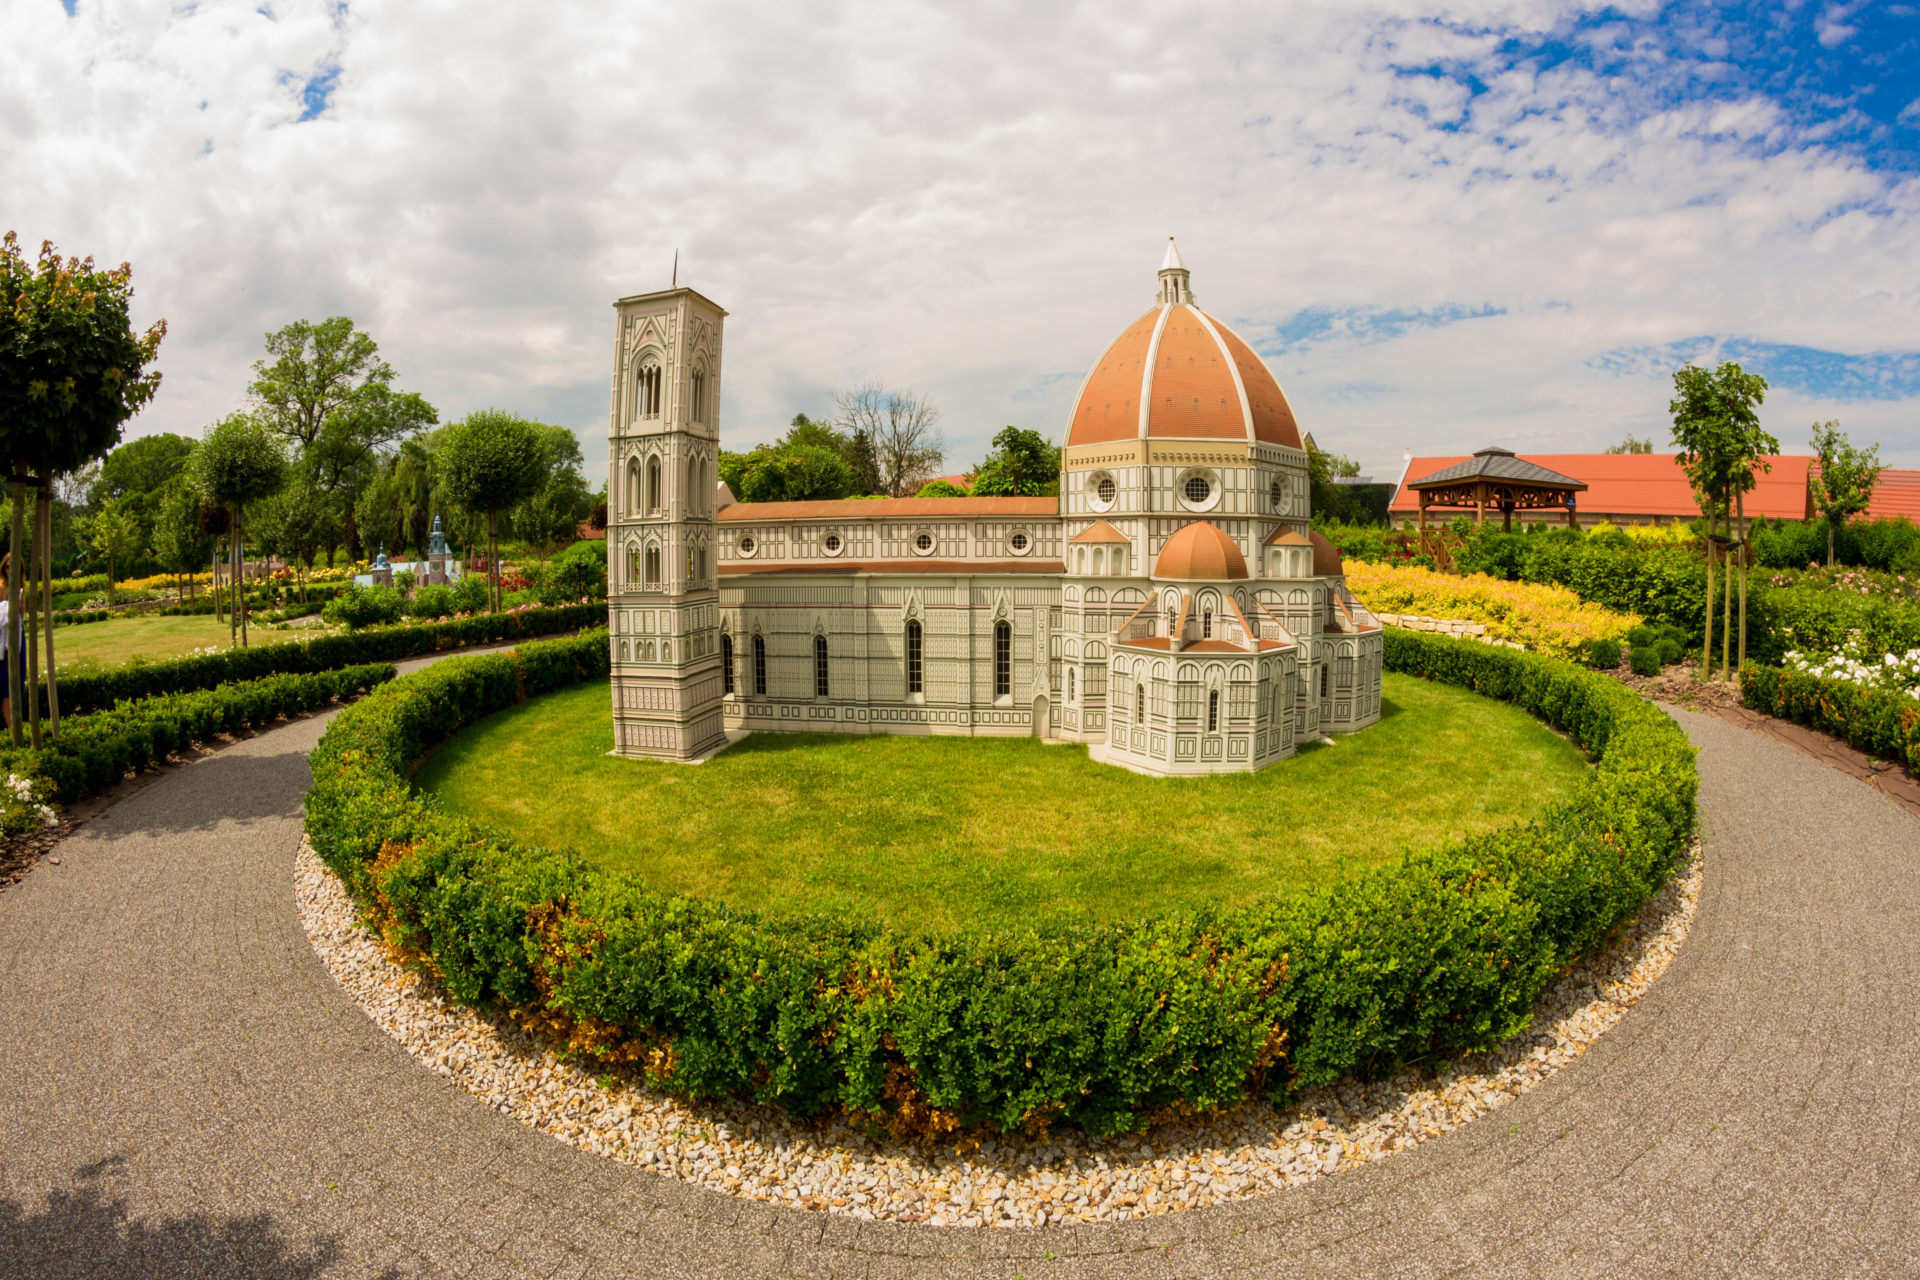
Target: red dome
1197	379
1201	552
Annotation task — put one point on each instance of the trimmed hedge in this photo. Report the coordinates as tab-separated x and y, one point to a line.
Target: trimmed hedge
1881	722
1106	1028
92	752
92	691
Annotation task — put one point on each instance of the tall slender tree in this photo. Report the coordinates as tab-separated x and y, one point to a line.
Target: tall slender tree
1845	484
1723	449
72	371
240	462
487	462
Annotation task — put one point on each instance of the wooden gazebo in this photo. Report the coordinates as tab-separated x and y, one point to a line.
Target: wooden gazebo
1494	479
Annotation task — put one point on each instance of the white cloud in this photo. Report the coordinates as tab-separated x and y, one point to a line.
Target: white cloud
967	199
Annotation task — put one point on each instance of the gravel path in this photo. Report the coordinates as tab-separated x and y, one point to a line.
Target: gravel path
188	1091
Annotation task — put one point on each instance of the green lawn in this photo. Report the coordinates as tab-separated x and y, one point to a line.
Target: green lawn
941	831
110	643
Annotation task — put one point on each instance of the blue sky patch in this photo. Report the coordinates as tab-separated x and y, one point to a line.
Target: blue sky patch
1360	326
1807	371
316	94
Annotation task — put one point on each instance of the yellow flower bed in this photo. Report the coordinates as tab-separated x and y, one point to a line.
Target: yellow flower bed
1546	619
168	580
1672	535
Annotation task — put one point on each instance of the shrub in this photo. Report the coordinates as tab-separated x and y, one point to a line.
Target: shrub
1547	619
358	607
566	581
1644	660
1097	1027
1604	654
1669	650
1884	723
94	751
91	691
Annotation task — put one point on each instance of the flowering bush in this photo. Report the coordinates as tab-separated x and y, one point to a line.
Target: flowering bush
1551	620
1903	587
1899	672
158	582
23	805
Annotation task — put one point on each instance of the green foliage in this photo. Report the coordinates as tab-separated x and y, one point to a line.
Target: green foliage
115	537
1632	444
1881	722
1646	659
72	371
94	690
1716	424
567	581
1022	464
95	751
1845	483
179	542
491	459
141	467
358	607
1603	655
940	489
787	473
239	462
1098	1027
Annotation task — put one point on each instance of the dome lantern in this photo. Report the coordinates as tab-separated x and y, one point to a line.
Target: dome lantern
1174	277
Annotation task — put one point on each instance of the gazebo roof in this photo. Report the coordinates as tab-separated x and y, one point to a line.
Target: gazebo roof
1497	464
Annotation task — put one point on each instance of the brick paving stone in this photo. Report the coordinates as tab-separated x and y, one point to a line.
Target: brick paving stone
180	1081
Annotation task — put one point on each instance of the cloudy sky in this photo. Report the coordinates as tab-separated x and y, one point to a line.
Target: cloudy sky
1443	224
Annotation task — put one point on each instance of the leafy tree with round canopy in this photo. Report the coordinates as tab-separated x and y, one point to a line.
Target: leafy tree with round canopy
1844	486
115	537
488	462
240	462
72	371
180	542
1022	464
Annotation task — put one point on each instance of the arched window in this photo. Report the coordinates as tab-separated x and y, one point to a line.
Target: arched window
653	566
632	503
1140	703
1213	711
726	663
819	666
1099	560
694	503
1002	660
1345	680
1325	671
1206	625
760	665
916	681
699	406
647	392
1069	684
653	484
633	564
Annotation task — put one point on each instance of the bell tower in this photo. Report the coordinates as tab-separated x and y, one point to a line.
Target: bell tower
663	602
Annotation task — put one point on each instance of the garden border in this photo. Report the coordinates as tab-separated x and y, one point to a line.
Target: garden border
1105	1028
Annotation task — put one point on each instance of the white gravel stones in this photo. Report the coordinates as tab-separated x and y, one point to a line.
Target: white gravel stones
765	1155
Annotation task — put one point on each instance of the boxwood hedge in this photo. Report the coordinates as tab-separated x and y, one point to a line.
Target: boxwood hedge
95	690
1105	1028
1881	722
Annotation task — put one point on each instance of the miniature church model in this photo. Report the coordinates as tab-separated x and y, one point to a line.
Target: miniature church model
1170	608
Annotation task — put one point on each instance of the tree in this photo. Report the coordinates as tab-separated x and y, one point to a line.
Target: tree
1716	425
146	466
179	541
488	462
240	462
72	371
1327	500
115	537
550	518
1022	464
1632	444
326	390
1847	476
940	489
294	522
787	473
904	429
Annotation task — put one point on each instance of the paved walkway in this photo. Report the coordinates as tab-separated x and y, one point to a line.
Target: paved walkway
184	1091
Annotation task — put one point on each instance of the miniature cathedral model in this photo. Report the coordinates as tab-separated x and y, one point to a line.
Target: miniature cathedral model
1170	608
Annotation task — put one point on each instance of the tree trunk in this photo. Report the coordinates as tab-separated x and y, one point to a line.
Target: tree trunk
18	549
233	580
493	562
1726	603
240	537
1741	508
46	576
1706	654
1831	539
29	621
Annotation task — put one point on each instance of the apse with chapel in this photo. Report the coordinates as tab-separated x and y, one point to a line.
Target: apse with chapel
1171	608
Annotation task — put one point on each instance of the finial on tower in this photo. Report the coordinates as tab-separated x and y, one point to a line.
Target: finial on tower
1173	278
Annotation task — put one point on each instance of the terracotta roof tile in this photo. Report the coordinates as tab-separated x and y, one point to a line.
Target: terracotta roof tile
1637	485
1273	419
1201	552
744	568
891	509
1099	531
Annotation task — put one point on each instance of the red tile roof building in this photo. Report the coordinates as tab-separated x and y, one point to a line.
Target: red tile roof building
1627	488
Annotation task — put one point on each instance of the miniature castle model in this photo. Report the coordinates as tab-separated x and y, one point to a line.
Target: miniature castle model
1171	607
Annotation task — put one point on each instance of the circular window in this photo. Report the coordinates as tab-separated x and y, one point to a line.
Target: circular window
832	544
923	543
1277	494
748	546
1198	491
1103	489
1020	543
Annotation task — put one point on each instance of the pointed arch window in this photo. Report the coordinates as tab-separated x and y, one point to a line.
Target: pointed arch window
633	564
653	484
1213	711
916	680
760	665
653	567
632	502
1069	684
699	397
1140	703
820	667
1206	625
726	664
694	504
647	391
1002	660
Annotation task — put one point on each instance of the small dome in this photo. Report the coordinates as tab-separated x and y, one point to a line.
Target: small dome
1201	552
1326	557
